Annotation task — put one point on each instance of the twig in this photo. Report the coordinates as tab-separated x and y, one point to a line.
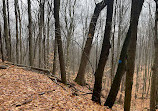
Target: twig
25	102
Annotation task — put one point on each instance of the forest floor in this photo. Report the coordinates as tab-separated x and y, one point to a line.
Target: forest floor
25	90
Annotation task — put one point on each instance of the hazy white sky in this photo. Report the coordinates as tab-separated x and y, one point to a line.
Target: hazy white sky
84	8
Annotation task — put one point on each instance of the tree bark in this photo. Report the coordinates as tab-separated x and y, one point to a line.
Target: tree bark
80	79
153	95
30	34
41	26
48	33
54	58
17	32
59	41
9	32
104	54
6	33
1	44
131	52
20	33
121	67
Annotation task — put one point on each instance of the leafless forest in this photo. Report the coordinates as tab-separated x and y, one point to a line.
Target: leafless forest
110	46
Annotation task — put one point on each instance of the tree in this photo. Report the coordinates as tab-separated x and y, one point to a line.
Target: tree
130	47
154	68
6	33
80	79
41	27
69	12
30	34
131	52
1	44
9	30
104	53
17	31
54	58
48	31
20	32
59	41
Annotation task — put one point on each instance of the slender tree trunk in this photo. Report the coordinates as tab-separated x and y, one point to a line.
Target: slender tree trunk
41	26
17	32
104	54
6	33
55	56
121	67
59	41
48	30
44	47
113	46
20	33
30	34
154	68
1	44
80	79
9	32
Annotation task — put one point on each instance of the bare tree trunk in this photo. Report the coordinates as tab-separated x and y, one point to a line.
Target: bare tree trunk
104	54
55	56
20	33
9	31
1	44
80	79
154	68
6	33
59	41
48	32
30	34
17	32
41	26
121	67
44	47
135	13
113	46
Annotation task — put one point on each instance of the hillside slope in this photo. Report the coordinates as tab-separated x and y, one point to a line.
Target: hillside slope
23	90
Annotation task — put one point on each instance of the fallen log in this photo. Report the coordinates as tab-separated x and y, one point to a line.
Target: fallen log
47	71
3	66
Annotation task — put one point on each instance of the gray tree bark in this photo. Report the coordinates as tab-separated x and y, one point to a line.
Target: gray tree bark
6	32
30	34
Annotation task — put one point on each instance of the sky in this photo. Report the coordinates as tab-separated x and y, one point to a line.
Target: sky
83	9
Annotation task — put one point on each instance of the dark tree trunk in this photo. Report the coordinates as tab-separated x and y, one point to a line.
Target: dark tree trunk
131	52
119	74
9	32
17	31
54	59
59	41
1	44
153	95
104	54
80	79
122	66
6	33
30	34
48	30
